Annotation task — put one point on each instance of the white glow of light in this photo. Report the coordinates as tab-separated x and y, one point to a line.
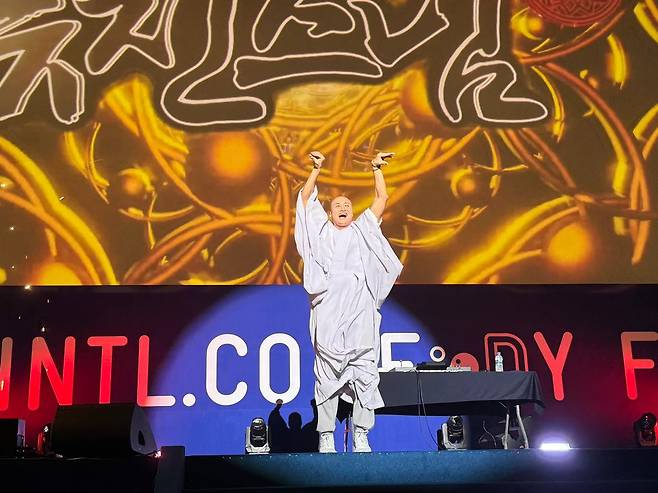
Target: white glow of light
158	454
27	287
555	446
12	228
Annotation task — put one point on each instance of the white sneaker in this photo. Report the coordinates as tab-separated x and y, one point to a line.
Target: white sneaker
326	445
360	440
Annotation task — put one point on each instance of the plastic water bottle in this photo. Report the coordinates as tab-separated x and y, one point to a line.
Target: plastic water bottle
499	361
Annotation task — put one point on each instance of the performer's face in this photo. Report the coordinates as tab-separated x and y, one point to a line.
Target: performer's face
341	212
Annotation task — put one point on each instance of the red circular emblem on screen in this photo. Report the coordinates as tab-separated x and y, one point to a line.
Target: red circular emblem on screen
574	12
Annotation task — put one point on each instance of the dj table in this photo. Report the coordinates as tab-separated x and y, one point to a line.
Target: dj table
447	393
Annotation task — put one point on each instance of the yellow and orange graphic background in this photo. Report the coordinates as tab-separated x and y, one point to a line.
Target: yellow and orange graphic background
126	199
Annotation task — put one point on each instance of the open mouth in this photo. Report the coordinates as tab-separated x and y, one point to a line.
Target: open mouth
342	216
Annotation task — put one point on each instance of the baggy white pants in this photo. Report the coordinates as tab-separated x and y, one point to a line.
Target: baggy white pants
361	416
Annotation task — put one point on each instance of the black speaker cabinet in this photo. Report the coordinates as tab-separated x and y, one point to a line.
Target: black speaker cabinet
102	430
12	436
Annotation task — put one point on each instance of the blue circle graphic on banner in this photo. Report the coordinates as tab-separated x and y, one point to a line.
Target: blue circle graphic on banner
252	348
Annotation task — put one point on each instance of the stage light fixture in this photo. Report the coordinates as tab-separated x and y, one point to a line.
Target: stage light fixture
452	435
645	430
256	440
44	440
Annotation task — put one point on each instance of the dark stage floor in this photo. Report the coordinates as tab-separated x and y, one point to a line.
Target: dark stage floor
625	471
467	470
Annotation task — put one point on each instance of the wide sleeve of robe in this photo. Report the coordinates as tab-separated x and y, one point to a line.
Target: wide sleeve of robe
381	264
310	222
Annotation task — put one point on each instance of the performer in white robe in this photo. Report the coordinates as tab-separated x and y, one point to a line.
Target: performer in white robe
349	269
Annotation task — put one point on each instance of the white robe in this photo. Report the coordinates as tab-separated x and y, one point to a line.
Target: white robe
348	274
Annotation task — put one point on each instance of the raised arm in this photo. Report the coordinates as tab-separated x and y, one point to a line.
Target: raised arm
317	158
379	203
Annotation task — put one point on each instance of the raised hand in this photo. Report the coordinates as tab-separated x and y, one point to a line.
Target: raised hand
317	158
307	189
380	159
379	202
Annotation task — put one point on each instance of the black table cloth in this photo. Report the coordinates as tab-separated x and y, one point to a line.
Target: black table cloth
452	393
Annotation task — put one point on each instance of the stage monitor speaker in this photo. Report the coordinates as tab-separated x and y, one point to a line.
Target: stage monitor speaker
12	436
102	430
